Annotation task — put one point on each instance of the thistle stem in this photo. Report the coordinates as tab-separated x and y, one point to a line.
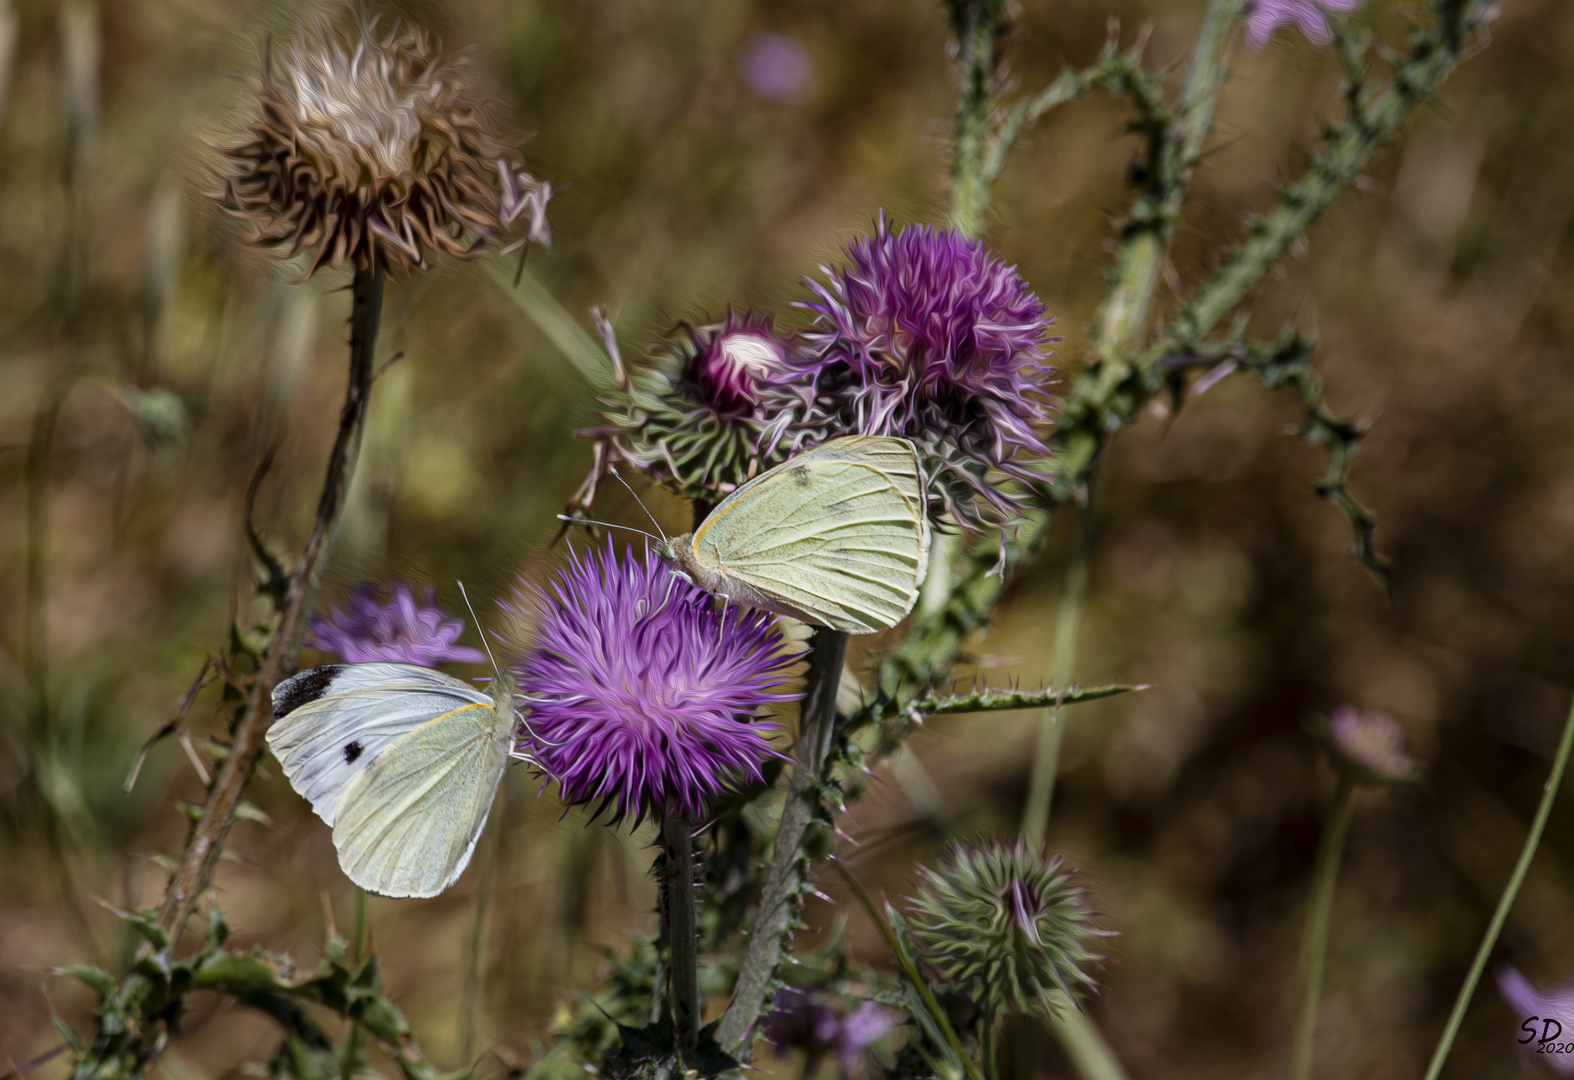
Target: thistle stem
1314	939
1068	626
989	1048
778	899
974	23
208	835
1554	780
473	994
677	837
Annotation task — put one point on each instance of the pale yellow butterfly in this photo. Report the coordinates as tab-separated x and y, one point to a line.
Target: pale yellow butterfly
837	536
402	761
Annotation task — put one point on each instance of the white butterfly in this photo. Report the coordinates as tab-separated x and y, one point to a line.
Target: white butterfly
402	761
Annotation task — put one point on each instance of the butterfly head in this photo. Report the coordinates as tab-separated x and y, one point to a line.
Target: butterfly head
676	552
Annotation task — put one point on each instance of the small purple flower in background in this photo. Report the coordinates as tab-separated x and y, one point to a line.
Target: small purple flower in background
1532	1010
861	1029
929	336
1373	742
775	67
1263	17
736	360
642	693
803	1022
392	625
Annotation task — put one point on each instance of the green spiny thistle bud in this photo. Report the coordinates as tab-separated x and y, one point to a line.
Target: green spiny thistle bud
1006	925
706	410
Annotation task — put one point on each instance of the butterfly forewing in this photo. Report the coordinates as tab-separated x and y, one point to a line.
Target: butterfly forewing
334	721
410	821
838	534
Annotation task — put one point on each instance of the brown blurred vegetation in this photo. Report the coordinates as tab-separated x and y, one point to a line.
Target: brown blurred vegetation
1441	293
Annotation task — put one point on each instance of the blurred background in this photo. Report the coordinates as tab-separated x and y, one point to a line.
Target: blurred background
707	153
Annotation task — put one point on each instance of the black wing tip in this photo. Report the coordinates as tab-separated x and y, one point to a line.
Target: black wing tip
303	688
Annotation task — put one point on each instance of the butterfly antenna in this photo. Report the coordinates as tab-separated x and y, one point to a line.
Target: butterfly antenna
613	469
484	643
606	525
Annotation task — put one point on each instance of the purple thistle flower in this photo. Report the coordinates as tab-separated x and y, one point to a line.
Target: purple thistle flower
1373	742
802	1021
930	336
735	361
775	67
400	629
1263	17
641	692
1534	1009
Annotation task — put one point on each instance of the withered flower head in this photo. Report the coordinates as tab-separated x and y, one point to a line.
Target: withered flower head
376	148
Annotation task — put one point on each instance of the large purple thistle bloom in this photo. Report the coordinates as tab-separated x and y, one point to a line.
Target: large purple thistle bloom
928	335
392	625
641	693
1263	17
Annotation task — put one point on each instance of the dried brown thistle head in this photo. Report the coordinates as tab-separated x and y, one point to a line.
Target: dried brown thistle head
376	149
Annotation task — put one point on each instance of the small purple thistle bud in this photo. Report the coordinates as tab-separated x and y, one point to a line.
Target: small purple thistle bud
400	629
641	693
928	335
1373	742
1263	17
734	362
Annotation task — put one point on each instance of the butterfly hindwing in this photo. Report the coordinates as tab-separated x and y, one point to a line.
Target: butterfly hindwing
411	820
838	535
353	738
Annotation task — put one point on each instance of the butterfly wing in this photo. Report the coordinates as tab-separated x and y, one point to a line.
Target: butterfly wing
353	739
837	536
332	722
410	821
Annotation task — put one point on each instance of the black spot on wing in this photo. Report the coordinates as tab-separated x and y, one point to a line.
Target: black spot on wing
800	476
297	690
352	750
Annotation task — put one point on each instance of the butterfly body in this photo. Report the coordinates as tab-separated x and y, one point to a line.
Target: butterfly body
402	761
837	536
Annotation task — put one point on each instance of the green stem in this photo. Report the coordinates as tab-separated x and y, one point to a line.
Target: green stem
938	579
989	1048
472	1001
1510	891
1173	151
915	978
779	897
350	1058
363	927
1068	626
677	837
1314	938
207	836
1084	1044
1372	125
974	23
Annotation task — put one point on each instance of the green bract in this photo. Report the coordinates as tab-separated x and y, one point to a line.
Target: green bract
1006	925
